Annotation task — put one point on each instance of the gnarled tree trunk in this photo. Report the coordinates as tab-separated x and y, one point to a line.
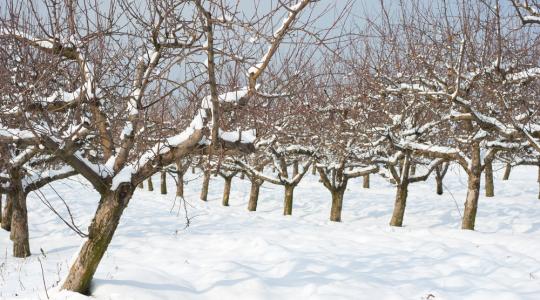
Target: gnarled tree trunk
490	192
337	204
227	190
401	192
254	193
399	204
163	188
473	190
205	183
100	233
288	201
19	222
471	203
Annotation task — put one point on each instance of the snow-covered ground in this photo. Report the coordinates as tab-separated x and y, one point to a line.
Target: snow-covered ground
230	253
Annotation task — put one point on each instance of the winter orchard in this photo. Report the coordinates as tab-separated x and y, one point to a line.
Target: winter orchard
117	92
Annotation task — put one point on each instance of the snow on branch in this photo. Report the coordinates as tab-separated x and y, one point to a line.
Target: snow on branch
37	180
525	75
528	13
11	135
256	70
357	172
229	97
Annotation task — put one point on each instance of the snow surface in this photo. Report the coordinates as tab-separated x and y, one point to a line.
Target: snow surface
230	253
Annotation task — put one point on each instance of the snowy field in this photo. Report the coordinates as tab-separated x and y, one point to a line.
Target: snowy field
230	253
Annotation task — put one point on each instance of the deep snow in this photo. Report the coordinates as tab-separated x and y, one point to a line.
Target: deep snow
230	253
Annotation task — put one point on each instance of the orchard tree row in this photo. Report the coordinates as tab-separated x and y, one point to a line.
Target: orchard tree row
269	90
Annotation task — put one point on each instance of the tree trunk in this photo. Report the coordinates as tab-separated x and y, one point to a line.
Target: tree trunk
288	201
439	182
366	181
179	183
164	182
242	176
413	169
401	193
227	190
399	204
440	172
205	183
141	185
473	189
19	223
314	169
507	171
100	234
471	204
7	213
295	168
489	180
337	204
254	194
150	184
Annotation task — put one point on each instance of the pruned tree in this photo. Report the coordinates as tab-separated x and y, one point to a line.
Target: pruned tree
122	62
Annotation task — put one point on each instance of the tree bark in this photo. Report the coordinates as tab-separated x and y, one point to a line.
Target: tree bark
507	171
439	182
141	185
150	184
399	204
7	213
100	234
179	183
337	204
401	192
19	223
366	181
490	192
471	203
164	182
295	168
440	172
254	194
288	201
205	183
314	169
473	190
227	190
